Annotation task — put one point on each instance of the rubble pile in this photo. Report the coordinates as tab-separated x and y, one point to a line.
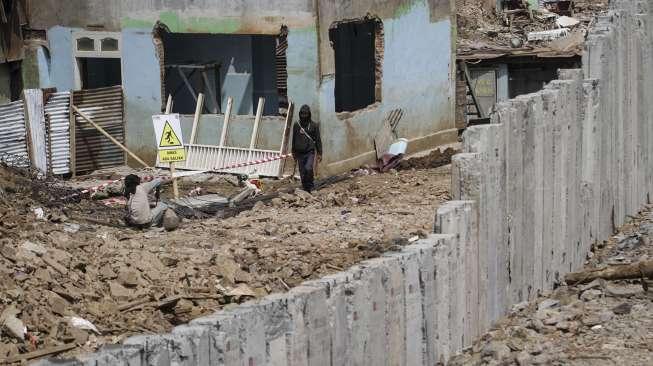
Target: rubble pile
66	282
480	28
597	323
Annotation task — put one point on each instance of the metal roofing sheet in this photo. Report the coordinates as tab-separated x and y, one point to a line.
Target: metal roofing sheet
13	135
57	117
105	107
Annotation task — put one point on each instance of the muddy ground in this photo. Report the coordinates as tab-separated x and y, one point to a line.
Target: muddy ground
56	265
601	323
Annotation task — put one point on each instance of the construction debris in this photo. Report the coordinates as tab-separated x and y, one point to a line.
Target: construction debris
638	270
483	30
79	278
598	323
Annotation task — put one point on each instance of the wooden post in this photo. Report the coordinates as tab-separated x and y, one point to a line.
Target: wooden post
73	137
196	120
286	136
107	135
175	186
257	121
225	126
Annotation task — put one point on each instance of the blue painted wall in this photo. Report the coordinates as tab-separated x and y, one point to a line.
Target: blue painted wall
141	80
417	76
62	64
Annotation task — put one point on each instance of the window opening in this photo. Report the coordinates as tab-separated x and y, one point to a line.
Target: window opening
241	66
98	62
358	50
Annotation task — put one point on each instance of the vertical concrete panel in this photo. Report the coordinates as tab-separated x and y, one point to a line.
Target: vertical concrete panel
395	328
358	317
528	243
375	351
427	289
459	218
338	294
446	300
514	196
413	348
538	194
548	188
225	336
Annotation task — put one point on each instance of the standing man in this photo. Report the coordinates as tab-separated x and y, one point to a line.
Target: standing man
306	146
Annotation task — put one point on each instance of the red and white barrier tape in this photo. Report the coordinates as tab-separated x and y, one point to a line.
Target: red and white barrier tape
167	177
254	162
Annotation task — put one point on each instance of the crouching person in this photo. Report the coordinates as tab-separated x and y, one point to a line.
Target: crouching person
139	212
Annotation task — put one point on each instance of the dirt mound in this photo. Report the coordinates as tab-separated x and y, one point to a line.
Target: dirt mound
57	264
435	159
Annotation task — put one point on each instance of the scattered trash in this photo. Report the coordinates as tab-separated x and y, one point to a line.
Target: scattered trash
548	35
70	227
567	22
394	155
40	214
81	323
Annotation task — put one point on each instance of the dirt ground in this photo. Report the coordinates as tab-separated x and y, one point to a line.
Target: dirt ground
57	266
601	323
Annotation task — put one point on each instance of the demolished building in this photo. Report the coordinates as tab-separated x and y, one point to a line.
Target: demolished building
353	62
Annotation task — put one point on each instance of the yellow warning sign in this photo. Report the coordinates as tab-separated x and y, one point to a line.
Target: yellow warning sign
169	137
167	156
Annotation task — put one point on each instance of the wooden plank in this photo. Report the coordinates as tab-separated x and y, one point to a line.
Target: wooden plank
225	127
211	92
107	135
73	144
257	121
175	185
196	120
286	136
39	353
190	87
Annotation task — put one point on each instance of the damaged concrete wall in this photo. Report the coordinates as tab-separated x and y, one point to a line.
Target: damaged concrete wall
417	71
418	76
560	169
554	172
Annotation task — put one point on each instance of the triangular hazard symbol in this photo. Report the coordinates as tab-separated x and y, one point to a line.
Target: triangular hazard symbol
169	137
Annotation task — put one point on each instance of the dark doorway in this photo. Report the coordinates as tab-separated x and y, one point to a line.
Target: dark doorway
244	67
99	72
355	63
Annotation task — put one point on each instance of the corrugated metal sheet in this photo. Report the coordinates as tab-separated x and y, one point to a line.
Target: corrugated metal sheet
13	136
57	117
105	107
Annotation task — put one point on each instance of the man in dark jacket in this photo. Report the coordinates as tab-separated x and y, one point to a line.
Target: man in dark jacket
306	146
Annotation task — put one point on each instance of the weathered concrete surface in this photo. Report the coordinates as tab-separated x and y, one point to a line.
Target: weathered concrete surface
414	69
554	172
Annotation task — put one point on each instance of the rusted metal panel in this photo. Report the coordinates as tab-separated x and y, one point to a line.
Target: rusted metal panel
105	107
57	119
13	135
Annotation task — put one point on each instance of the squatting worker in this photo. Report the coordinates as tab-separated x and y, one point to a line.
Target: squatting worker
306	146
139	213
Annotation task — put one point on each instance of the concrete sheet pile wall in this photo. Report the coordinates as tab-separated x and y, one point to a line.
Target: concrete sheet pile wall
555	171
559	169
